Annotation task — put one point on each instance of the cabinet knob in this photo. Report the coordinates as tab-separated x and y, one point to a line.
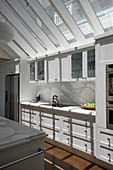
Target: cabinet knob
68	140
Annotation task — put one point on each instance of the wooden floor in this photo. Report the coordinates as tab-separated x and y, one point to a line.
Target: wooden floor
58	159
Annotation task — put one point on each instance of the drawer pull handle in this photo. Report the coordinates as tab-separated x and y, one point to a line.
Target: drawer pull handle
86	147
68	140
68	127
108	141
86	133
109	157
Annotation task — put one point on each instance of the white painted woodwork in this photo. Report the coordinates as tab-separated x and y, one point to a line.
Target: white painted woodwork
19	26
53	70
91	17
15	48
25	45
48	22
68	20
32	24
65	68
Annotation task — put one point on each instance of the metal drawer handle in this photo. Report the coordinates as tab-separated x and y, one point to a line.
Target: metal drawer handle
40	151
109	157
108	141
86	147
86	133
68	140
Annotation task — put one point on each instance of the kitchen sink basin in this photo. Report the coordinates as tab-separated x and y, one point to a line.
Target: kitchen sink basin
59	105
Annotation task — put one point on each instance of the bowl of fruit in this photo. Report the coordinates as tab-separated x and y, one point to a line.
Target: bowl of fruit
91	106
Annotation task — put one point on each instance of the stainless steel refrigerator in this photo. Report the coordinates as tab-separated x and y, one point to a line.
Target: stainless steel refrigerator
12	97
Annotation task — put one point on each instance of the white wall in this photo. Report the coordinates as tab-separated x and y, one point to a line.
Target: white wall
27	90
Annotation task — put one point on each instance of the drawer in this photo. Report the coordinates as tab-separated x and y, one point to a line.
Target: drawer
106	139
47	122
26	123
35	112
33	118
27	110
66	139
82	131
81	122
49	132
106	155
66	127
57	136
34	126
47	114
57	124
83	145
25	116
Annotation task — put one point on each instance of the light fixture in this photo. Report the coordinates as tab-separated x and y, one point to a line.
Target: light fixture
6	33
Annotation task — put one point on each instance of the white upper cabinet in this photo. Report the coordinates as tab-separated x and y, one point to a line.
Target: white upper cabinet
83	65
32	72
65	68
53	70
41	71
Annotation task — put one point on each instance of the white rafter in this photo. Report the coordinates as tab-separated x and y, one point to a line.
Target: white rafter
48	22
68	20
18	51
91	16
24	45
32	24
20	27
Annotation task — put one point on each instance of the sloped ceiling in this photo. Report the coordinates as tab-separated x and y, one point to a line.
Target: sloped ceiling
36	34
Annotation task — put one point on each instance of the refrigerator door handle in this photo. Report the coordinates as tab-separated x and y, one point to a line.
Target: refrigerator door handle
6	96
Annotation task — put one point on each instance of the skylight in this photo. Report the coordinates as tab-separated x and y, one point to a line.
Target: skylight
104	12
77	14
57	20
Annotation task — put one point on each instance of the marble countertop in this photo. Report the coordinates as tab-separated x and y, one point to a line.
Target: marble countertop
72	109
12	133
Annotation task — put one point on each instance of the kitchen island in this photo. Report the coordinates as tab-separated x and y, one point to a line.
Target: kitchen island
21	147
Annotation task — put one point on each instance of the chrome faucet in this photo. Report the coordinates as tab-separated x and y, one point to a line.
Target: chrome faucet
55	101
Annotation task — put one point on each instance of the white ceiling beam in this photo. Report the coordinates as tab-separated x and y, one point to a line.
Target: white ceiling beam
20	27
25	45
6	48
18	51
68	20
32	24
48	22
91	16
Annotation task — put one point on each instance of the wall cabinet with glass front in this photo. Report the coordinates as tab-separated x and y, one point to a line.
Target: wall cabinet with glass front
41	70
83	65
37	71
32	70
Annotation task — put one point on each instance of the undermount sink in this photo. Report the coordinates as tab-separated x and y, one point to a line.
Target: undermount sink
59	105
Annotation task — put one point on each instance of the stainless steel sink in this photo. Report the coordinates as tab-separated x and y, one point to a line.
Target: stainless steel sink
59	105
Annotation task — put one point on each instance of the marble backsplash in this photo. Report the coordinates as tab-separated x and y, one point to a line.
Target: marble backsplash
68	92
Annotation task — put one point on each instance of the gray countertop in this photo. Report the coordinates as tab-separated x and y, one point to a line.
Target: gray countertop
12	133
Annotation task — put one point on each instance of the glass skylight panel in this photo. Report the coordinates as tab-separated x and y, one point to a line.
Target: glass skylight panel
31	12
77	14
57	20
104	12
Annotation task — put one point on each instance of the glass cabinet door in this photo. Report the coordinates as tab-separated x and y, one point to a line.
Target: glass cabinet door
41	70
91	63
32	71
76	63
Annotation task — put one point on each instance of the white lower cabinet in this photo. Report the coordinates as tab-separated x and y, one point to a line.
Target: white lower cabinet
26	123
66	139
85	146
69	131
105	145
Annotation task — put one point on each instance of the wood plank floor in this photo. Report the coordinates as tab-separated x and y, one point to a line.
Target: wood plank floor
58	159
